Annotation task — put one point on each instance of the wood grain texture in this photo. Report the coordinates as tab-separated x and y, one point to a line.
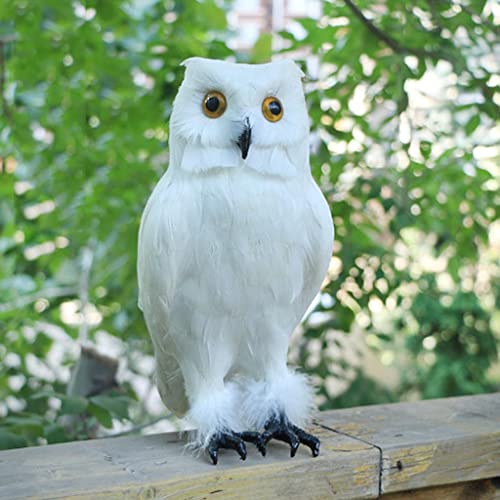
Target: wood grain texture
423	447
146	467
485	489
427	443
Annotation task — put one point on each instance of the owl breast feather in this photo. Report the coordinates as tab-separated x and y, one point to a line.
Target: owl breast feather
230	244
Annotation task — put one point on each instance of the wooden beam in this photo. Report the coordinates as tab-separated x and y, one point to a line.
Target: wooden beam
485	489
427	443
160	466
365	452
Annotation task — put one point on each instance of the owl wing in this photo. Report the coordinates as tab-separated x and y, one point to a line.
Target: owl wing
157	267
319	237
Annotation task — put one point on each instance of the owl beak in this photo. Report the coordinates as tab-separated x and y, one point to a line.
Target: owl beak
245	139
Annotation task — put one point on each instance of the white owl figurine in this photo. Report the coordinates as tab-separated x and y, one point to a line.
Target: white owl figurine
234	244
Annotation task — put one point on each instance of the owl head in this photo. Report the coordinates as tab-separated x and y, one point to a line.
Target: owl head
229	115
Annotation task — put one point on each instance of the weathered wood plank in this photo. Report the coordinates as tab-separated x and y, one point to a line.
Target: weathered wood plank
428	443
157	467
486	489
365	451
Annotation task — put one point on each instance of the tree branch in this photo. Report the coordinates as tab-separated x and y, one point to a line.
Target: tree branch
435	17
87	258
47	293
5	106
484	20
388	40
454	60
8	38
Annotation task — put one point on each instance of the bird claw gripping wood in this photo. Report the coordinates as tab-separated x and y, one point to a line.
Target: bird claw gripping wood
282	429
235	441
227	440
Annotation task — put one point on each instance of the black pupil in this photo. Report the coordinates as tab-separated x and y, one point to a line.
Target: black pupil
212	103
275	108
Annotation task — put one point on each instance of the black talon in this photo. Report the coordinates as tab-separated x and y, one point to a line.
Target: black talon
212	451
282	429
255	438
228	440
294	444
308	439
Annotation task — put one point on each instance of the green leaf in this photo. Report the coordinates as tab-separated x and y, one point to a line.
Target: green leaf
472	124
425	148
25	424
10	440
103	416
55	433
116	405
73	405
42	395
262	49
384	337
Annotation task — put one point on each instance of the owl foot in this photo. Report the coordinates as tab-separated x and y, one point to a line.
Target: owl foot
234	441
229	440
255	438
282	429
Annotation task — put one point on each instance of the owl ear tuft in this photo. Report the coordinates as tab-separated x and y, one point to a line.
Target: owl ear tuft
189	60
301	73
295	67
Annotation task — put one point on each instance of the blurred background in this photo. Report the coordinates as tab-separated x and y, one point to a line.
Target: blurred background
403	100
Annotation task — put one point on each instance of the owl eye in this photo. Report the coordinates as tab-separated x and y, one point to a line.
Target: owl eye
272	109
214	104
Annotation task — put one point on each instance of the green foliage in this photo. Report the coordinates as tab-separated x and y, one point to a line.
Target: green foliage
89	94
453	334
413	203
39	422
83	138
262	49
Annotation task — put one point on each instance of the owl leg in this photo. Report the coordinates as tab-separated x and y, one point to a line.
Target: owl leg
214	405
206	353
214	411
277	399
287	404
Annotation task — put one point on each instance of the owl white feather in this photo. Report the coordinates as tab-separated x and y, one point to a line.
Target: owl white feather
234	243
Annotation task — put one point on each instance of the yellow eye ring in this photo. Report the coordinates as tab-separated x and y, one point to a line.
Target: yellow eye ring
272	109
214	104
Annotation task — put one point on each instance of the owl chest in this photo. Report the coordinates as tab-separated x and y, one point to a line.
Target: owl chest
248	224
250	244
